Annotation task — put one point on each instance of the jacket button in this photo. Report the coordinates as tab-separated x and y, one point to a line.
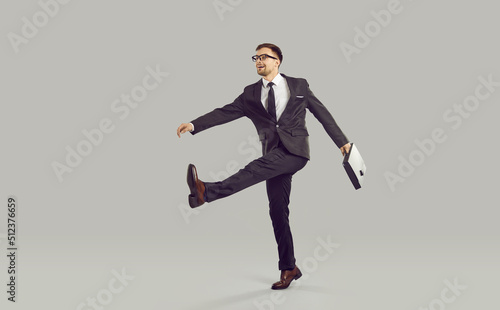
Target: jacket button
277	126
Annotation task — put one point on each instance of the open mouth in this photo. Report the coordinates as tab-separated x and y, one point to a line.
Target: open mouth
260	67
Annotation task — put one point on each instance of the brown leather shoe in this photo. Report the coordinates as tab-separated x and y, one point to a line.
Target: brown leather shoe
196	187
287	276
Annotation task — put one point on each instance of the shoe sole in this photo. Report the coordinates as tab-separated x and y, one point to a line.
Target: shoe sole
192	198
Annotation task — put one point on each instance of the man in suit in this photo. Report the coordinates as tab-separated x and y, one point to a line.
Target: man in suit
276	104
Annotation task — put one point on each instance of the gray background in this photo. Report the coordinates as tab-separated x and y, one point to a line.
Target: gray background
124	205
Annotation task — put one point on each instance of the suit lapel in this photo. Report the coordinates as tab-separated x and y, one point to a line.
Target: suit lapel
292	87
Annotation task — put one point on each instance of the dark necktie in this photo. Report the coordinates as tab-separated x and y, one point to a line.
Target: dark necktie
271	104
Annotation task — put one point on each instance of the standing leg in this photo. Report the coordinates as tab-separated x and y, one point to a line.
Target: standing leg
278	192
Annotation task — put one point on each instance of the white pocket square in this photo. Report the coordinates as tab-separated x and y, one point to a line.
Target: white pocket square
300	97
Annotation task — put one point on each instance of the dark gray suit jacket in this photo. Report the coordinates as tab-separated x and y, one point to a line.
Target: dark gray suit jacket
290	128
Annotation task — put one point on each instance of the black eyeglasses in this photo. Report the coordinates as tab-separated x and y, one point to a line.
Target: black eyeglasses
262	57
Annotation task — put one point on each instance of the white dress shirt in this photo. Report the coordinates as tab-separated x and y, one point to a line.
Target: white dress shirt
281	94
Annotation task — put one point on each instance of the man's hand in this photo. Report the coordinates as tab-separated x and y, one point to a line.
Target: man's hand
184	128
345	149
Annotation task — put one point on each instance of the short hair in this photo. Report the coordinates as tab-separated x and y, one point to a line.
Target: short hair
273	48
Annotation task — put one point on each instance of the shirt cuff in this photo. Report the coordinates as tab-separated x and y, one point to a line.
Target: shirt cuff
192	126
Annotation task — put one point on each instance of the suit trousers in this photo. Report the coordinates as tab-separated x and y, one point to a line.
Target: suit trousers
276	168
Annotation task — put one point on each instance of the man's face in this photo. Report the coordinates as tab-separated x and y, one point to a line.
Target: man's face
266	67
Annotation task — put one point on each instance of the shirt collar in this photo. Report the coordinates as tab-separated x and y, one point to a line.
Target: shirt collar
277	80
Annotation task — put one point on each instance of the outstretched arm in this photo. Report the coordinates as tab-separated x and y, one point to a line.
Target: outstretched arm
219	116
